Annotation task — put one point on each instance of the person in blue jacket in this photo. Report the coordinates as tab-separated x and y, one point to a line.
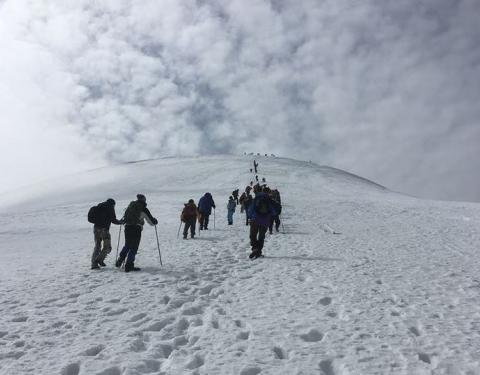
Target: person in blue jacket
205	205
260	213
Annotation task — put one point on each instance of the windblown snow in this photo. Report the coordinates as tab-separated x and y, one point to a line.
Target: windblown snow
360	280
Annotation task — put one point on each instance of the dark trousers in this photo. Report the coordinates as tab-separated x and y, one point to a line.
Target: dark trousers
133	234
257	237
275	219
204	221
189	223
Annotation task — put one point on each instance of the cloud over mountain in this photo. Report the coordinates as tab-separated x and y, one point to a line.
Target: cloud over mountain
387	90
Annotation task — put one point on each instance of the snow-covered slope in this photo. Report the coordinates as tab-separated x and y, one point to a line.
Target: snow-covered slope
396	291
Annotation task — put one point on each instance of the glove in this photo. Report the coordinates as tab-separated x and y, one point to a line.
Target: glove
155	221
122	221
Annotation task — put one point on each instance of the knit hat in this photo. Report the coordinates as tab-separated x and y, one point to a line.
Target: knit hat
191	201
111	201
141	198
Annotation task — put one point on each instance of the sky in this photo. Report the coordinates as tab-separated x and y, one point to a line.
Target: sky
387	90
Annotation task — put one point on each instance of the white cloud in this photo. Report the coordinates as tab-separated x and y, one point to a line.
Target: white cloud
388	90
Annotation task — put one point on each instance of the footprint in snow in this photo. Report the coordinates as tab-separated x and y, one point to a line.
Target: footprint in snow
325	301
279	353
196	362
326	367
414	330
20	319
71	369
93	351
251	370
137	317
110	371
312	336
243	335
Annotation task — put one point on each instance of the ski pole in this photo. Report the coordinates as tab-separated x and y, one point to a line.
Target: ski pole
178	233
118	243
158	246
214	218
283	228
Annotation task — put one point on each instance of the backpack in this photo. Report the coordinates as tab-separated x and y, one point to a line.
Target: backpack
92	214
133	212
262	206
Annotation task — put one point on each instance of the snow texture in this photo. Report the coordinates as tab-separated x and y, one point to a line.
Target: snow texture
362	281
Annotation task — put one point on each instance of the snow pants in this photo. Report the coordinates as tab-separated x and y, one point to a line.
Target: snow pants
257	237
230	217
189	224
101	235
276	219
204	221
133	235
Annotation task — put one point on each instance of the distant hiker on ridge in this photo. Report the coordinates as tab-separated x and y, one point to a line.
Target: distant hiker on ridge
205	205
102	215
255	166
189	217
231	205
135	216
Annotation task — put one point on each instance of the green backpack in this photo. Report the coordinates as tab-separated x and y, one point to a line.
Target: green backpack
133	212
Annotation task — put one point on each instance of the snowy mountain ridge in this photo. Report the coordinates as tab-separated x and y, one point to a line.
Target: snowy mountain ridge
395	292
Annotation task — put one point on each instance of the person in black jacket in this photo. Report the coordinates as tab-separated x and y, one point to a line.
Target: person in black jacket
135	216
104	217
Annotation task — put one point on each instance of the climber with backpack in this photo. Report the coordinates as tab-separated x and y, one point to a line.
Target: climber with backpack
102	216
189	217
134	217
205	205
260	213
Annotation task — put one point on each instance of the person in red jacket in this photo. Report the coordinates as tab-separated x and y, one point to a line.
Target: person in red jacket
189	217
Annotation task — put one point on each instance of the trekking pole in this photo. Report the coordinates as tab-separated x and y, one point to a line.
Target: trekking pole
118	243
158	246
178	233
214	218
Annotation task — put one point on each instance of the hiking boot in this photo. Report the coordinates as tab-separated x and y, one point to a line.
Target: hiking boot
130	267
95	266
101	263
118	263
184	237
193	236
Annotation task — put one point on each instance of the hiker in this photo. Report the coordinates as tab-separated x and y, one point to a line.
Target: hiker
103	217
235	196
205	205
277	206
260	213
247	200
255	165
231	205
189	217
135	216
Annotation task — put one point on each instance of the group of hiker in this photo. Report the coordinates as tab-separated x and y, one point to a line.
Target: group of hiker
103	215
262	213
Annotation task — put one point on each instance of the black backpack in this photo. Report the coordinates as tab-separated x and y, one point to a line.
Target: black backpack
92	214
262	206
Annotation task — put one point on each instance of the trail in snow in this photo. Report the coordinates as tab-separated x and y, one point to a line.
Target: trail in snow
396	292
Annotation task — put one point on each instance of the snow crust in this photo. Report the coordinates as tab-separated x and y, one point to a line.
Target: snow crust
362	281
